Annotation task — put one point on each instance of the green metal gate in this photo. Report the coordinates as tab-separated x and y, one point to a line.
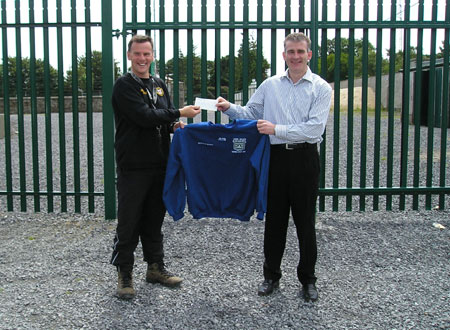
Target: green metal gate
40	153
375	150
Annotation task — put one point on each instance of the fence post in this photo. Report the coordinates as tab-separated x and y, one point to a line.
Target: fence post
108	119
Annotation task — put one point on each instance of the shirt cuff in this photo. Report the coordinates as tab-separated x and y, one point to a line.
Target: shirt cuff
231	111
281	131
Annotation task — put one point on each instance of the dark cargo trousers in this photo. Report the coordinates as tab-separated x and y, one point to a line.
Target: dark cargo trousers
140	215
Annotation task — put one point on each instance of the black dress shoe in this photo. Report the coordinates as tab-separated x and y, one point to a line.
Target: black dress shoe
310	292
267	287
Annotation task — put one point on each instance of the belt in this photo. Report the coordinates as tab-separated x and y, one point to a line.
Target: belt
294	146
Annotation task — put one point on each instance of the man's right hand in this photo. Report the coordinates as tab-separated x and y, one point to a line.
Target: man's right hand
190	111
222	104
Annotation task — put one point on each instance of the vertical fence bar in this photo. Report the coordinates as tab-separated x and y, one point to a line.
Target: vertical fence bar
217	56
232	40
273	39
405	108
365	86
259	41
204	59
337	104
376	151
20	112
176	58
89	111
245	55
418	108
162	42
431	108
48	112
314	63
108	120
7	114
287	15
148	18
323	73
190	60
391	107
33	99
61	110
124	36
301	16
134	15
75	115
350	114
148	32
445	109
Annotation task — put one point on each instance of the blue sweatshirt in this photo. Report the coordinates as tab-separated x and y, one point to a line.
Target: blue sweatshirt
222	170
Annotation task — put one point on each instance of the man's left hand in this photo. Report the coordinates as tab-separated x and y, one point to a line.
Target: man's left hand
265	127
177	125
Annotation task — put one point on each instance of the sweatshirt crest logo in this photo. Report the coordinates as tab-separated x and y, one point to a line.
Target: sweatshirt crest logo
239	145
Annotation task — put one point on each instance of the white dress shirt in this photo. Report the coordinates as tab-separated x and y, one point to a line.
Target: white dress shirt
299	111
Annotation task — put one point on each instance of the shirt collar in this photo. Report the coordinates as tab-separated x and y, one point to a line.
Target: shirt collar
308	75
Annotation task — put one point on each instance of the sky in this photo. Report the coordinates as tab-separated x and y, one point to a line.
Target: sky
117	24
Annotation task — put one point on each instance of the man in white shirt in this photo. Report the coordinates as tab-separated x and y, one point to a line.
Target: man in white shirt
292	109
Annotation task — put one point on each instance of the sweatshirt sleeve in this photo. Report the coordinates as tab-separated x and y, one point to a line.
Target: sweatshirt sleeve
174	193
260	163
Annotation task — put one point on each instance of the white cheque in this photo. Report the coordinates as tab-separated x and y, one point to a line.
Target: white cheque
206	104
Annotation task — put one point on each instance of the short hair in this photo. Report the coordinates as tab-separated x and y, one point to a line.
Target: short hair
297	37
138	38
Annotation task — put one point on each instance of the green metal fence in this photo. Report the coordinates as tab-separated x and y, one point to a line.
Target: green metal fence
376	150
40	151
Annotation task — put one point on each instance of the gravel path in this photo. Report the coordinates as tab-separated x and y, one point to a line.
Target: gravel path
382	270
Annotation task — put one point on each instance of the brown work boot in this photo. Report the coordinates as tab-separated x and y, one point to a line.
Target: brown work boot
157	273
125	288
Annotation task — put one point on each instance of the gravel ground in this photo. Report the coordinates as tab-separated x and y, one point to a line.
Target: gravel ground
376	270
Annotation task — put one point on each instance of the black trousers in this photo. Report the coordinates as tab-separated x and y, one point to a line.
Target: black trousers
140	214
293	186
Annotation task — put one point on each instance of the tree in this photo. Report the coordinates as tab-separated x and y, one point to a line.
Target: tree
441	50
345	50
96	63
399	58
358	59
252	69
182	70
39	75
224	70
